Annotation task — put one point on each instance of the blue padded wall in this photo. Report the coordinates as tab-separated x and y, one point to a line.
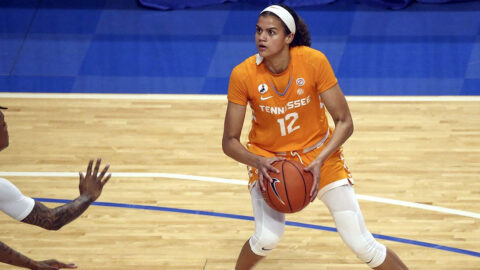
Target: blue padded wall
116	46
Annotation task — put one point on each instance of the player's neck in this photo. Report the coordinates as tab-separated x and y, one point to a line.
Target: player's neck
278	63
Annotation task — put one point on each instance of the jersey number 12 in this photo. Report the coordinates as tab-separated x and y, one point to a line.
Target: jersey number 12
292	117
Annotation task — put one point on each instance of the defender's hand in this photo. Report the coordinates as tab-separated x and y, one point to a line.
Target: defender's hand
91	184
53	265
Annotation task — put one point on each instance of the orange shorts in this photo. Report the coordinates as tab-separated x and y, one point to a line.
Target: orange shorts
334	171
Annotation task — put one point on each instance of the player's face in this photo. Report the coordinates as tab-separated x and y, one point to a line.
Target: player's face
3	132
270	36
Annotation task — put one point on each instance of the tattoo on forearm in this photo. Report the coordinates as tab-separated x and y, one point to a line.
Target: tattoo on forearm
10	256
56	218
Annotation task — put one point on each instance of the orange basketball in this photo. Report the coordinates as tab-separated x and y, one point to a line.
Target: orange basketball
290	190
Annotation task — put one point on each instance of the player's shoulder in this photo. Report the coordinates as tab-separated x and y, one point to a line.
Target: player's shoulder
247	65
307	53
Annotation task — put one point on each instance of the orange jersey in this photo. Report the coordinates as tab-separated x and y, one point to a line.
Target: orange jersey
287	111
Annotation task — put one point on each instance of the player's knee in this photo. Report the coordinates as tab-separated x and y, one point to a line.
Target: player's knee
371	252
264	243
360	242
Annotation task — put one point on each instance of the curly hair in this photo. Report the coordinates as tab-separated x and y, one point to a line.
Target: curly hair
302	34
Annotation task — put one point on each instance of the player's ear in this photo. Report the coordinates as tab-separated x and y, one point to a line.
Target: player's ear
289	38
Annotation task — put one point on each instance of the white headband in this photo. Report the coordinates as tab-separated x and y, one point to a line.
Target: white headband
284	15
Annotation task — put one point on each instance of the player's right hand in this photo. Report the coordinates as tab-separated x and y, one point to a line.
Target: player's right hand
264	166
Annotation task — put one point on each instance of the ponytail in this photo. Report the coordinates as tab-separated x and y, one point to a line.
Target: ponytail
302	36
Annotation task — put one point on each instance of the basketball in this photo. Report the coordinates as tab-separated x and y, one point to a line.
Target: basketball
290	190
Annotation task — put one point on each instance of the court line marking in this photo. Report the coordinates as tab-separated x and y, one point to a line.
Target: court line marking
250	218
243	183
222	97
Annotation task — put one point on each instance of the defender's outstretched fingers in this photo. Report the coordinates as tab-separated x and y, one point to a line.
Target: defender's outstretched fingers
89	168
106	179
82	178
97	167
104	171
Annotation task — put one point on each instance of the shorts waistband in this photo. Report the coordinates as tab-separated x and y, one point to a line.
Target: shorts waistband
308	149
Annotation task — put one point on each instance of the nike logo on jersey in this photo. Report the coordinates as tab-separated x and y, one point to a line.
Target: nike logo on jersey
265	98
266	248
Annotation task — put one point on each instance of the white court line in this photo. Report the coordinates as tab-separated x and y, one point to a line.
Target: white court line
114	96
132	175
243	183
224	97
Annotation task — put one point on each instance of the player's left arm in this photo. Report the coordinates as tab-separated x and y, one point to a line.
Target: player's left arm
337	106
55	218
90	186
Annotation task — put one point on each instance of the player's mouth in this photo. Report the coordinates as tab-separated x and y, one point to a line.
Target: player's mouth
261	48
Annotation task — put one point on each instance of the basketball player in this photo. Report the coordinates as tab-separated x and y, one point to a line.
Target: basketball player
288	86
27	210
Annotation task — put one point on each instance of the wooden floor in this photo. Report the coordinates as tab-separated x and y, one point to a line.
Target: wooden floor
424	152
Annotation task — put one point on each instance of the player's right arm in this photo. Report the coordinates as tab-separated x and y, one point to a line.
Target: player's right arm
12	257
233	148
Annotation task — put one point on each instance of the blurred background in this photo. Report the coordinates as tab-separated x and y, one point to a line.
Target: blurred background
190	47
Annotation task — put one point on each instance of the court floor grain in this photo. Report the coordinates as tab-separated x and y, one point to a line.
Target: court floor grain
176	201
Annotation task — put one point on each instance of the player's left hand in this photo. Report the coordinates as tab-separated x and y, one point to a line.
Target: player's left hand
53	264
91	184
315	168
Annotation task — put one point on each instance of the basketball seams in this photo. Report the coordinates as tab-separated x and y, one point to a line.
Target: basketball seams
285	184
290	203
305	200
